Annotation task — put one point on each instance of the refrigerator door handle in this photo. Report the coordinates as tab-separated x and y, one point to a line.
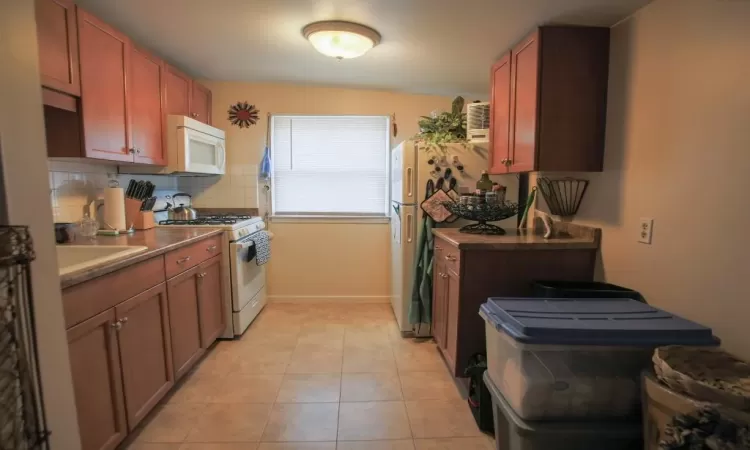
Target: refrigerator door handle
409	181
409	226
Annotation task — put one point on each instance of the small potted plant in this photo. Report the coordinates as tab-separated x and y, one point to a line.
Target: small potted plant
440	129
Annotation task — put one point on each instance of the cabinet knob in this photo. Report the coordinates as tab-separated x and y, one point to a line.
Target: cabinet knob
183	260
195	115
138	150
211	248
508	162
450	257
131	150
117	325
201	275
444	275
437	247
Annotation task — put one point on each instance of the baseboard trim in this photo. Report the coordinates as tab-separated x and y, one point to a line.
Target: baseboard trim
329	299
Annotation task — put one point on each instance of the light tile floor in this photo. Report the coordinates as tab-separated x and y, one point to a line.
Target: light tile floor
316	377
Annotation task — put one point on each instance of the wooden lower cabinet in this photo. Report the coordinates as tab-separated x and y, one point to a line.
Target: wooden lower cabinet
210	304
184	321
97	381
463	279
145	351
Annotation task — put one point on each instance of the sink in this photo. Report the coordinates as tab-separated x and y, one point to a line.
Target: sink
72	258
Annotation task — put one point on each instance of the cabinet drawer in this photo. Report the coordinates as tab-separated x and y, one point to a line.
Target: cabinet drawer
184	258
448	255
92	297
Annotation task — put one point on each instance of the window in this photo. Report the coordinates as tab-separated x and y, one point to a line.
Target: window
330	166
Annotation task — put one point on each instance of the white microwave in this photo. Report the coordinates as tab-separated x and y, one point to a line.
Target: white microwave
194	147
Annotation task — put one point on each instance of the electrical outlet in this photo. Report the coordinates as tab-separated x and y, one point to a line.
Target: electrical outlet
645	230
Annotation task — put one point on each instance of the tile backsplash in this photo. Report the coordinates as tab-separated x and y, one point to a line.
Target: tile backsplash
74	185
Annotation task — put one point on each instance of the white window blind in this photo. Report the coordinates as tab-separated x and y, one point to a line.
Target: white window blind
330	165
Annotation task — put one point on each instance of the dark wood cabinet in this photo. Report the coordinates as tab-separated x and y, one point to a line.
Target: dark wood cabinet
184	321
200	103
105	61
210	301
557	102
57	34
145	351
439	304
95	366
177	91
147	108
500	115
523	117
463	279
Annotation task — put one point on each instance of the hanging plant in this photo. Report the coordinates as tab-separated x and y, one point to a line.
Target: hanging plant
439	129
243	114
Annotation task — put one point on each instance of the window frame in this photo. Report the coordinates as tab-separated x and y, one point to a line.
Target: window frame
331	217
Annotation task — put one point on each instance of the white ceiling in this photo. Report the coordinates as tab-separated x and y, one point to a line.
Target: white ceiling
429	46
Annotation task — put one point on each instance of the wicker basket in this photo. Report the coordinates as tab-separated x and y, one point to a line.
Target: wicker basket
705	374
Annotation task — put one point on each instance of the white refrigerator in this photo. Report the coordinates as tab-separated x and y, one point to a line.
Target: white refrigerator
411	168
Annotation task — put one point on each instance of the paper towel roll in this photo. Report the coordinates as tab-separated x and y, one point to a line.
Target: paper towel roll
114	208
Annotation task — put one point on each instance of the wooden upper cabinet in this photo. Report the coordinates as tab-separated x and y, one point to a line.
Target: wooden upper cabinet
200	103
210	301
177	91
500	115
525	88
557	101
146	79
57	34
145	351
184	322
95	368
105	61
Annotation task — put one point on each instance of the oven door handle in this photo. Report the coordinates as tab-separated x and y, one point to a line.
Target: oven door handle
244	243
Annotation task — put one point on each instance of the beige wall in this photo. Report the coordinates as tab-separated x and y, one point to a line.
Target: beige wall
678	150
329	261
24	161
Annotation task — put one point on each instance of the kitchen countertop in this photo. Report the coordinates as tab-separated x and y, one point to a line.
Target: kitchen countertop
158	240
517	240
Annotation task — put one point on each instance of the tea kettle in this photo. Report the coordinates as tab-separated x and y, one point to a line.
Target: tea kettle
182	212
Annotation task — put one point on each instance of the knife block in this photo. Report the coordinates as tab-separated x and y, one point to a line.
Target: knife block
140	220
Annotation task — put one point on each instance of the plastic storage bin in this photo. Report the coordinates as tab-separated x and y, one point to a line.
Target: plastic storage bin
582	289
513	433
577	359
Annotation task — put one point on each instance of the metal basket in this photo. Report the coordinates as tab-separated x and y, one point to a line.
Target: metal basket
563	196
482	214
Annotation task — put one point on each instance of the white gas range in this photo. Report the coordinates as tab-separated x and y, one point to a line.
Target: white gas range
244	282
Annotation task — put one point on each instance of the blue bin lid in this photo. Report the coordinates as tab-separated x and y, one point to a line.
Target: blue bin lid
611	321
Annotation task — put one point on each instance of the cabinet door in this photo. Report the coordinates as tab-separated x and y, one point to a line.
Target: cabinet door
200	104
524	100
146	108
57	34
145	351
105	59
184	324
210	301
95	366
177	91
500	116
451	307
438	304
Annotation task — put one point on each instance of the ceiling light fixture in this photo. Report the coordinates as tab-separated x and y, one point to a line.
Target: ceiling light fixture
341	39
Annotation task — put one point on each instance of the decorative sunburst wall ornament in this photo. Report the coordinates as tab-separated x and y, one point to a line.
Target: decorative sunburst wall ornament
243	114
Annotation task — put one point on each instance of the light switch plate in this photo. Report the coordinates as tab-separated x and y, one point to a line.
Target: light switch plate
645	230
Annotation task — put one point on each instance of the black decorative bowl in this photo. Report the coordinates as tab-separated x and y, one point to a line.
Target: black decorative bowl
483	213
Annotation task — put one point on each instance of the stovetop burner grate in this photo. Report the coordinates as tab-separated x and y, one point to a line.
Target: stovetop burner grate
215	219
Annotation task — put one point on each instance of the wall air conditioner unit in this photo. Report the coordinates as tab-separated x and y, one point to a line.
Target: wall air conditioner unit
478	122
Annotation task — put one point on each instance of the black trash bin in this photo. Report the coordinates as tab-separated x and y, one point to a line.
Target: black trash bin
582	289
